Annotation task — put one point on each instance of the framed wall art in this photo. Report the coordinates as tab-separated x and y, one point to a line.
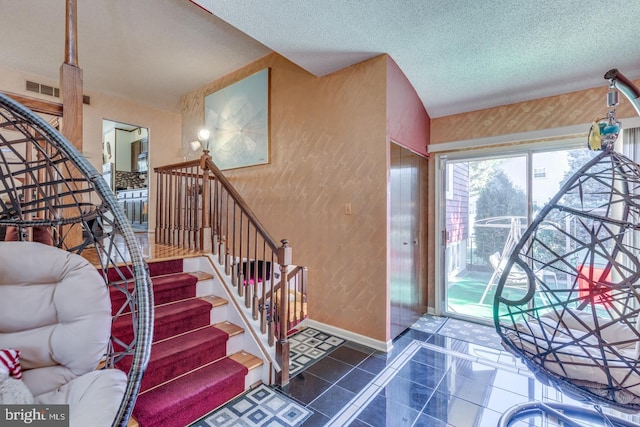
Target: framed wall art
237	118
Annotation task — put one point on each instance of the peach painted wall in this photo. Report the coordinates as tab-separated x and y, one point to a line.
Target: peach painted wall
164	126
408	122
568	109
327	149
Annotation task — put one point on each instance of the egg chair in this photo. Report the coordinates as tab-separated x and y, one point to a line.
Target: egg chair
62	230
581	334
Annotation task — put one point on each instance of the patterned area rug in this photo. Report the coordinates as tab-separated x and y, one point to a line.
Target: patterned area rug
308	346
262	406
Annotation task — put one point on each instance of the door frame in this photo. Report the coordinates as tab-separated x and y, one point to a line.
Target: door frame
440	182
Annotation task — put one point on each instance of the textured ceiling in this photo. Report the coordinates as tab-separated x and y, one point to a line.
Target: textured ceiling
460	55
149	50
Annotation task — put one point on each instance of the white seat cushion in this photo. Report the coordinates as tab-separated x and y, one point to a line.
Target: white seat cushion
55	309
575	353
93	398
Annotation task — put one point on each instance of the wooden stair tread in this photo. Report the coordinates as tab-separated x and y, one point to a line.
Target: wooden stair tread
201	275
215	300
247	359
230	328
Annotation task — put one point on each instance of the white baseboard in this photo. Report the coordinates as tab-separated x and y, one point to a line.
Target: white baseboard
350	336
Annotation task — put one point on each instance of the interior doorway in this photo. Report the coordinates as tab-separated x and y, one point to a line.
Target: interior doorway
125	168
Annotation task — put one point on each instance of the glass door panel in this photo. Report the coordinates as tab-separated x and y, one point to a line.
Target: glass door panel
486	209
550	170
487	206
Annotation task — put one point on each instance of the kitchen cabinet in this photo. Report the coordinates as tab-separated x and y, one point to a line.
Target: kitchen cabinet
138	147
135	205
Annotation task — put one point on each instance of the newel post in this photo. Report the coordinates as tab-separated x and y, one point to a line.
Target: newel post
205	225
284	254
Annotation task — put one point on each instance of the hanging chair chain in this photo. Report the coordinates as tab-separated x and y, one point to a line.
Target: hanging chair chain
612	103
604	130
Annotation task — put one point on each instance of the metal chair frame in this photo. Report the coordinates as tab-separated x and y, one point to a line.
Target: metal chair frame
582	337
46	183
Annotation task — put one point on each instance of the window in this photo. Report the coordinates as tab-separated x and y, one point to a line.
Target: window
540	172
449	182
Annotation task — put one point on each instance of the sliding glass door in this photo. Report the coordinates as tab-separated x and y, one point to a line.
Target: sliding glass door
488	202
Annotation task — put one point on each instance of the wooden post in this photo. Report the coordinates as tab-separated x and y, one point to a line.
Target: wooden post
71	81
282	345
205	227
71	96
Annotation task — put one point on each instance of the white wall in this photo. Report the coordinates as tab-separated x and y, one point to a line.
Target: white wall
123	150
165	127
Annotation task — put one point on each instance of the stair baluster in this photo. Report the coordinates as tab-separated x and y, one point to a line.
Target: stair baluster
198	209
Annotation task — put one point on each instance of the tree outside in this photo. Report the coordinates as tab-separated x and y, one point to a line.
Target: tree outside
588	194
498	198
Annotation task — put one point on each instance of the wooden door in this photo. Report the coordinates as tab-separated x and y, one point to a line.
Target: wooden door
407	238
136	149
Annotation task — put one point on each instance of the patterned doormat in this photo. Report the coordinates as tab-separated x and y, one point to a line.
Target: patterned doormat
429	323
308	346
460	330
471	332
262	406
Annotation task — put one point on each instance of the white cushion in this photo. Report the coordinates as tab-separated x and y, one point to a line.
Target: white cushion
93	398
55	309
613	332
573	352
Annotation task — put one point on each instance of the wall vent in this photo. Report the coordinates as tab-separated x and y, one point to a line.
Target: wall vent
46	90
33	86
51	91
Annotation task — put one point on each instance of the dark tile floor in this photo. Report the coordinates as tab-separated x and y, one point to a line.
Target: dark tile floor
428	379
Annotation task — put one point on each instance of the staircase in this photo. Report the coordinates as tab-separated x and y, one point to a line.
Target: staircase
198	209
197	358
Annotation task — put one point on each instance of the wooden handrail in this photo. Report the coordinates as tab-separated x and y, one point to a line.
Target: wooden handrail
198	208
177	166
217	174
238	198
37	105
292	274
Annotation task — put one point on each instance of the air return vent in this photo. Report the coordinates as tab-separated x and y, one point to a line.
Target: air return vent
46	90
51	91
33	86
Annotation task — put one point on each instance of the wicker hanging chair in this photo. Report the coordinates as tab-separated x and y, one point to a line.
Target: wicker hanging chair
50	193
581	334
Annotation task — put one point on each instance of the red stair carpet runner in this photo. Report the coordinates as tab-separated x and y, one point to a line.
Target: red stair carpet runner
189	374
